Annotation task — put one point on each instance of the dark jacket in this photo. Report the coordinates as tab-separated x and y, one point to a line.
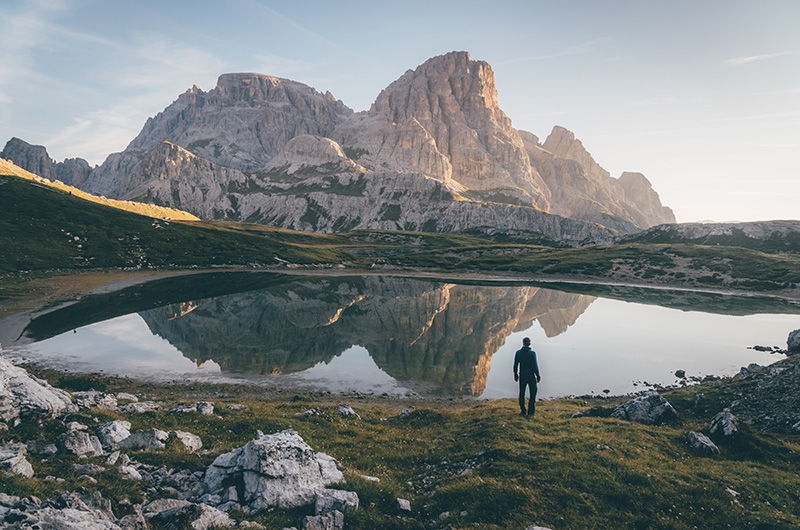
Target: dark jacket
525	360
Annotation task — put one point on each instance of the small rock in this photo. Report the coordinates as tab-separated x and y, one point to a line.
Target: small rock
112	458
235	406
403	505
79	443
370	479
111	433
127	397
724	423
149	440
311	412
700	443
347	410
680	374
140	407
130	473
793	341
75	426
444	515
330	521
190	441
13	461
329	500
92	398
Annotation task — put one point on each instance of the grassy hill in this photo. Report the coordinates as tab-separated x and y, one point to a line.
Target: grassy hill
42	228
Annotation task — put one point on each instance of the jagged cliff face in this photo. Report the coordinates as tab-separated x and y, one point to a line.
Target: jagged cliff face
434	152
582	189
34	158
415	331
244	121
442	119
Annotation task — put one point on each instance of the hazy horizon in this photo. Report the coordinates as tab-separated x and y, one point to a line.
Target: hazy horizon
702	98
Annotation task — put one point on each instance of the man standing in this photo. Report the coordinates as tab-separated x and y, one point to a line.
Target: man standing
528	375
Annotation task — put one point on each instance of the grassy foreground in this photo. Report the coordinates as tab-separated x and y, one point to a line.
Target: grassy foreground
480	463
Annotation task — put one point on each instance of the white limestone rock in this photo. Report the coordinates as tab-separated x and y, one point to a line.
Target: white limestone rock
328	500
23	396
191	442
13	461
79	443
112	433
650	409
145	440
92	398
700	443
276	470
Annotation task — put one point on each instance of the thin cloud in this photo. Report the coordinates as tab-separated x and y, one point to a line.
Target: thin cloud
738	61
586	47
653	102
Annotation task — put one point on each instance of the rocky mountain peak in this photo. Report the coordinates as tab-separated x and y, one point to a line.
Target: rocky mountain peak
563	144
442	119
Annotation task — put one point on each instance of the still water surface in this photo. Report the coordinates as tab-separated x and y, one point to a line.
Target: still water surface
398	336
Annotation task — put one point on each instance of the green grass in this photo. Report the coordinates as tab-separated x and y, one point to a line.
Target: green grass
49	229
502	470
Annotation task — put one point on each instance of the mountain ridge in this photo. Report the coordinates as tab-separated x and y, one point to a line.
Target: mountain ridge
438	128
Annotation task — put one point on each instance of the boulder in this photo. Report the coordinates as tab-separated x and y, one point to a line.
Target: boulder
112	433
129	473
79	443
190	441
162	505
274	470
700	443
13	461
92	398
793	342
650	409
328	500
195	516
23	396
145	440
329	521
724	424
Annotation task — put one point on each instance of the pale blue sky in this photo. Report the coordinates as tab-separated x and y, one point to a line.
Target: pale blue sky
703	97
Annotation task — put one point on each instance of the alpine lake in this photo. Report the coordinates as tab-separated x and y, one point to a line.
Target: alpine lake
404	336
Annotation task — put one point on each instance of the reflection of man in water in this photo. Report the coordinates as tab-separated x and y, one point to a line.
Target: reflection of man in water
528	375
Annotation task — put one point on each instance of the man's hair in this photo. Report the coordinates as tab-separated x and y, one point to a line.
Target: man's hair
526	341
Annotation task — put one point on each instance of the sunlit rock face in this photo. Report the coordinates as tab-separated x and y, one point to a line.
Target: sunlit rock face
434	153
415	331
34	158
244	121
443	119
580	188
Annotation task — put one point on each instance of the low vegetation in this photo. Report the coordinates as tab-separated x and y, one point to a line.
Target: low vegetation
479	463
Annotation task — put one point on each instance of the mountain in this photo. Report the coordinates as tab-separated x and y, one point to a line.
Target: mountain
765	236
433	153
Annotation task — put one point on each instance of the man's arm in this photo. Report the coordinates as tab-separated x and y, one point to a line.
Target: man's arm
516	364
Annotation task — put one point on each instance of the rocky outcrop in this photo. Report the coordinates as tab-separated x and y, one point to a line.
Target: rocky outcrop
273	471
25	397
765	236
580	188
768	398
243	122
649	408
34	158
724	424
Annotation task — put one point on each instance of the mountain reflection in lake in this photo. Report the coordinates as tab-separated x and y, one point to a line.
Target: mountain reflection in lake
385	334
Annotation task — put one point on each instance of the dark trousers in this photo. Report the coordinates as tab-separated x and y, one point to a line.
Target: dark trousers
529	381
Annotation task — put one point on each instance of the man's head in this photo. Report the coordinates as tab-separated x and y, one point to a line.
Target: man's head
526	341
